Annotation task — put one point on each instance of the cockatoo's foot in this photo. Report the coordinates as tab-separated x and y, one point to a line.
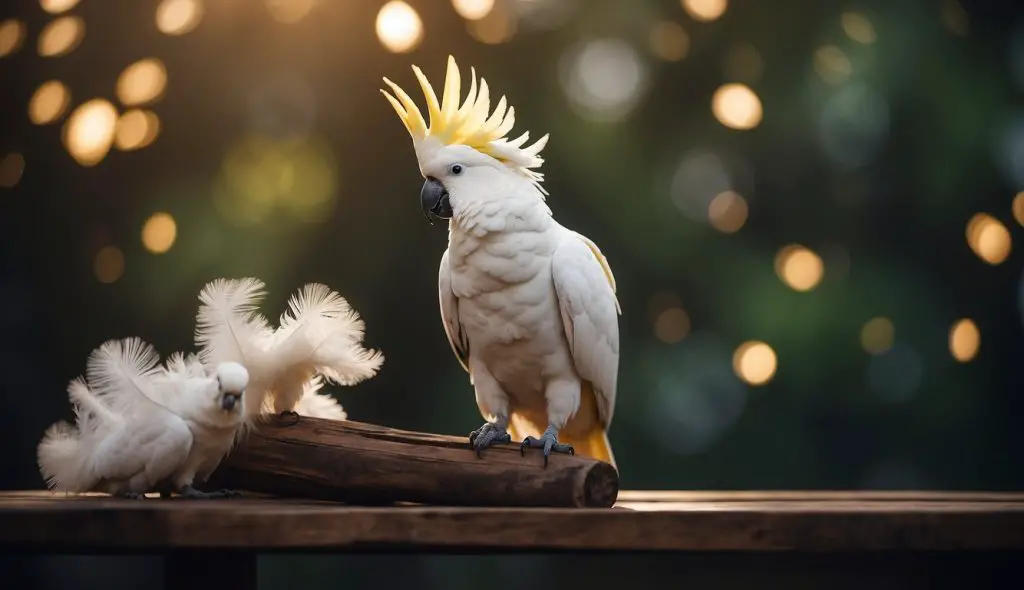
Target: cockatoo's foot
290	414
488	435
190	493
549	442
165	494
132	496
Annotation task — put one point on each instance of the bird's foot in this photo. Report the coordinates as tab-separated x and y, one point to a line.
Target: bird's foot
488	435
290	414
190	493
132	496
548	442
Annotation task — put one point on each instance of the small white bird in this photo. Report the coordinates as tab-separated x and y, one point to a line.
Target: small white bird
141	427
319	335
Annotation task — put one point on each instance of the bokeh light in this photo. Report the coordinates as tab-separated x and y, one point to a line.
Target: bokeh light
743	63
668	41
754	362
604	79
57	6
473	9
136	129
48	102
399	27
61	36
142	82
12	166
289	11
964	340
89	131
108	265
705	10
12	35
1018	208
498	26
177	17
832	64
858	27
736	106
799	268
877	335
159	233
988	238
727	212
260	175
671	325
702	176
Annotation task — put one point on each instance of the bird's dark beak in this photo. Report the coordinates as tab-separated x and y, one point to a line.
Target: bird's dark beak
434	200
229	400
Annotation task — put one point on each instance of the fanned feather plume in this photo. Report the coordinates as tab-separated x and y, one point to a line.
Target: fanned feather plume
187	367
121	373
470	123
319	335
228	325
64	454
319	405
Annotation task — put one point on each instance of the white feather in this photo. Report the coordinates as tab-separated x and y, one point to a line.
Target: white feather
121	373
228	326
322	333
319	405
64	452
319	335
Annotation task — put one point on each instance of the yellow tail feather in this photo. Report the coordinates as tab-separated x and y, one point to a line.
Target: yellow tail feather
593	443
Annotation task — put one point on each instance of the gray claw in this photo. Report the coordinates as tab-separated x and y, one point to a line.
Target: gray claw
132	496
548	442
488	435
290	414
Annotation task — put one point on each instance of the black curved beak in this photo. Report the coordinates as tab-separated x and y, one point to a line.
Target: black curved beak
229	400
434	200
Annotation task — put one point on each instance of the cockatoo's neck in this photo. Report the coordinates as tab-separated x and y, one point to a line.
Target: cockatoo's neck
519	209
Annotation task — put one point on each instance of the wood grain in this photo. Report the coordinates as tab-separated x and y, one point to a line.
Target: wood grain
367	464
729	521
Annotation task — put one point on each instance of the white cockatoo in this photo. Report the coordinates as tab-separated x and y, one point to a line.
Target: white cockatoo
318	337
528	305
141	427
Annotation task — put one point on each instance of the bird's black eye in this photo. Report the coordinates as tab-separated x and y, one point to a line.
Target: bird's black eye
456	169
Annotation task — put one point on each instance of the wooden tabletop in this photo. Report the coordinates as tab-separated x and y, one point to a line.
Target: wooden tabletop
676	521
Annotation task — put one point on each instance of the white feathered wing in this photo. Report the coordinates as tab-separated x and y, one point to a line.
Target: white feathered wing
123	440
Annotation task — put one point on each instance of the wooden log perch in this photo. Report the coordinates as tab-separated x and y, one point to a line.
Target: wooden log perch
362	463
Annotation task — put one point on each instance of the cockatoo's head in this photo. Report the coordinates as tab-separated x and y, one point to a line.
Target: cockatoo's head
464	154
232	378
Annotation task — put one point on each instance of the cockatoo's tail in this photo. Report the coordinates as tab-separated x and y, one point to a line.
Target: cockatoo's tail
471	124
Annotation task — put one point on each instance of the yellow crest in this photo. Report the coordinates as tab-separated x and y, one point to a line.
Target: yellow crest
470	123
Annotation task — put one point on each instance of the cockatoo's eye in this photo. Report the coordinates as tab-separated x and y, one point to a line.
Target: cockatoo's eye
455	169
